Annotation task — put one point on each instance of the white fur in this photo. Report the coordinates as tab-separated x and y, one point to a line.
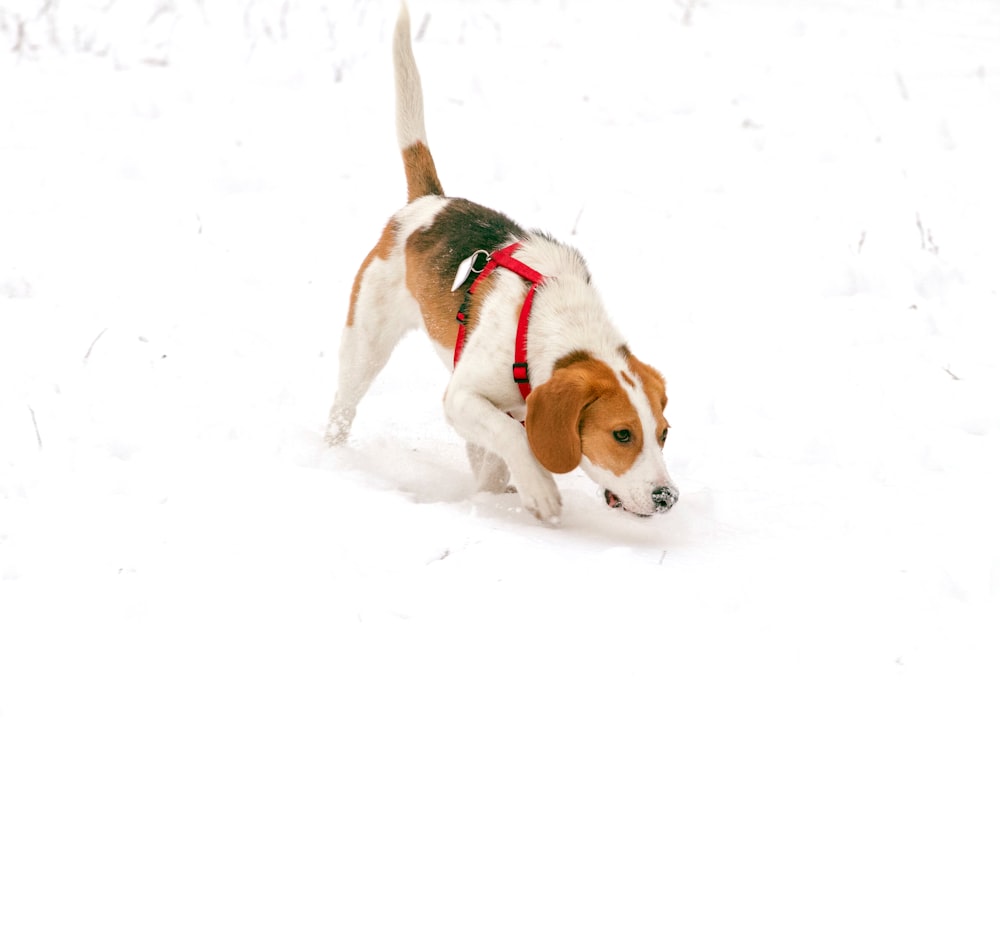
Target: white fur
383	313
409	92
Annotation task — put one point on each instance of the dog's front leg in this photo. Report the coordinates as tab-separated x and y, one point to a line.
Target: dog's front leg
482	425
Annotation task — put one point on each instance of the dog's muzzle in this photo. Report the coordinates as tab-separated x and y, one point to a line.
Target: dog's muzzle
664	498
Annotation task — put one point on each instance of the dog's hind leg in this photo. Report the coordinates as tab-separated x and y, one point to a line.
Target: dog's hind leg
489	468
381	312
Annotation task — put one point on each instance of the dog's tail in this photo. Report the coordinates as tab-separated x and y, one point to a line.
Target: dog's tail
421	174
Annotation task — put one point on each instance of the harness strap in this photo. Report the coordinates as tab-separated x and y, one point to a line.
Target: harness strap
504	258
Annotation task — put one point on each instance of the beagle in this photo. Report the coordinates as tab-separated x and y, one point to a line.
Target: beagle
542	382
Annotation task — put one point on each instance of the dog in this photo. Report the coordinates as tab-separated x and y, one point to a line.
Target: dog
541	382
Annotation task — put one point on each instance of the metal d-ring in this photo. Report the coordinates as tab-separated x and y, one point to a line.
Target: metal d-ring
475	255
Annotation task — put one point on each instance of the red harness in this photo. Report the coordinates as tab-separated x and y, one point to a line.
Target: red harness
504	258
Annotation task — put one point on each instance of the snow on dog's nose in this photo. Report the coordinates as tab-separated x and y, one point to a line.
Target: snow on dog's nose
665	497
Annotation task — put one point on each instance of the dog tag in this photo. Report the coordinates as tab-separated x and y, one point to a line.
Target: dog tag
468	265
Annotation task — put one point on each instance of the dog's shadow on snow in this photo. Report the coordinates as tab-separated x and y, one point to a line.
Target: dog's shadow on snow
438	473
423	473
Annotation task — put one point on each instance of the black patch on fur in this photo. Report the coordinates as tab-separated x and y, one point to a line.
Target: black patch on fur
460	229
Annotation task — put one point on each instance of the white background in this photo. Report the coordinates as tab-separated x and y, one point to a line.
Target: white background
252	689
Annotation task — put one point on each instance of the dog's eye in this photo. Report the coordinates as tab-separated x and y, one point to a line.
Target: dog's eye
622	435
663	436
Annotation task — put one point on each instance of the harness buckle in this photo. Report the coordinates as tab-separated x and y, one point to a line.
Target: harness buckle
468	267
520	371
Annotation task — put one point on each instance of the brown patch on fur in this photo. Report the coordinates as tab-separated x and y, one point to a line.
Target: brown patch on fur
421	174
381	250
576	412
433	255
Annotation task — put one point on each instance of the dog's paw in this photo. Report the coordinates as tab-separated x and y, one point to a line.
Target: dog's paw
338	428
542	500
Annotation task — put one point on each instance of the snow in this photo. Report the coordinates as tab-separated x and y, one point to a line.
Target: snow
255	689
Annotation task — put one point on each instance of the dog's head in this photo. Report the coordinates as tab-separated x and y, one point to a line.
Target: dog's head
610	423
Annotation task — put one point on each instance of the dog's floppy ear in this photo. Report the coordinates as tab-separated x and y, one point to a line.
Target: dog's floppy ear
553	420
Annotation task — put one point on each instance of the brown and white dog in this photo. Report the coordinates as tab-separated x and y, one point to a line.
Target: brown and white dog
592	403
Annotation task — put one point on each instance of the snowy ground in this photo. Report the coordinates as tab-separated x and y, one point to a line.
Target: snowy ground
251	689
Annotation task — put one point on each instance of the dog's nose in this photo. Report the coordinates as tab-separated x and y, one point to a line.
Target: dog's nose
665	498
